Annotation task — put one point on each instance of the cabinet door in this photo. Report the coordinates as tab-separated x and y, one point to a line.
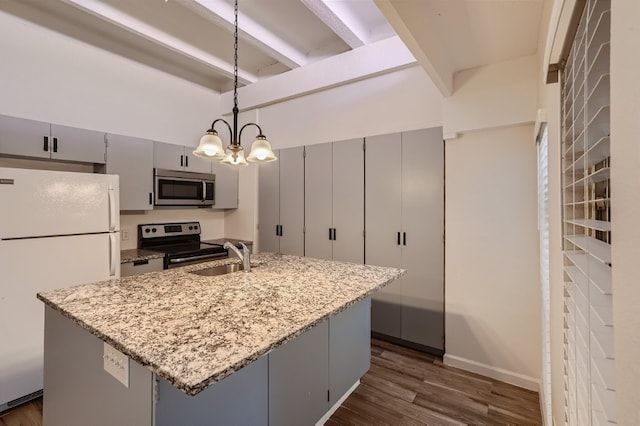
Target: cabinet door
423	222
292	201
226	185
132	159
349	348
196	164
383	223
168	156
72	144
348	201
23	137
299	379
318	202
269	206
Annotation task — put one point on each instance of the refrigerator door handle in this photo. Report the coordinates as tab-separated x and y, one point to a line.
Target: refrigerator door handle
113	255
112	209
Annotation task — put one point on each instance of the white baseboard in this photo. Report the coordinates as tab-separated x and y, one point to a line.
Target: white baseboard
337	405
503	375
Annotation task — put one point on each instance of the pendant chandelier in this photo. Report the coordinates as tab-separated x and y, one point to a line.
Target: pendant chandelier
211	145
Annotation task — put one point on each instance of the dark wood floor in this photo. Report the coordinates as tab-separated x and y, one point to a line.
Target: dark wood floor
405	386
402	387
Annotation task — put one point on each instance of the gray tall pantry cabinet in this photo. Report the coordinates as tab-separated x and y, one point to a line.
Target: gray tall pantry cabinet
405	229
281	203
334	204
318	206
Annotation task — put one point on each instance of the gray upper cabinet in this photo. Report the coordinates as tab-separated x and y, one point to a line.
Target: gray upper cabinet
30	138
334	207
132	159
226	185
73	144
281	203
178	157
405	228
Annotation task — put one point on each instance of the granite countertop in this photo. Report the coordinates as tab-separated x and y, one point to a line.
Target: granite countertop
195	330
138	254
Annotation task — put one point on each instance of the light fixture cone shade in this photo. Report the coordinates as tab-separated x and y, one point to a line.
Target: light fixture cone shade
239	160
210	146
261	151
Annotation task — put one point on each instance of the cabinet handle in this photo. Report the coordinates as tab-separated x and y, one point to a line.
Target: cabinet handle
186	161
404	238
182	161
398	238
281	230
55	144
334	234
46	144
330	234
140	262
150	198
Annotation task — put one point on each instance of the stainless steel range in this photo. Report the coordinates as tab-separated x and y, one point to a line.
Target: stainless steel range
180	242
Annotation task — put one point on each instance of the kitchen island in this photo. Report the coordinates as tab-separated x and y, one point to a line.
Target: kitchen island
279	345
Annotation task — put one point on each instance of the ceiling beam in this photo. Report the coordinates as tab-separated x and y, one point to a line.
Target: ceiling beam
338	20
373	59
159	37
221	13
428	49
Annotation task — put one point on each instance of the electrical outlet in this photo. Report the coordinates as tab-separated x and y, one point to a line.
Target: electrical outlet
125	235
117	364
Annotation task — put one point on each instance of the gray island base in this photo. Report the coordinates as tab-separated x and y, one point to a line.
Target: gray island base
290	366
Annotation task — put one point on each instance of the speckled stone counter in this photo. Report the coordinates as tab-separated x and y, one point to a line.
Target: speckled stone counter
195	330
133	255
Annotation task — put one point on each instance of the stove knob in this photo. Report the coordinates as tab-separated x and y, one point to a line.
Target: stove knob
190	228
147	230
195	227
153	229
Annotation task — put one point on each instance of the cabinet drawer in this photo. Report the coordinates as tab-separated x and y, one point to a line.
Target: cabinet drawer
140	267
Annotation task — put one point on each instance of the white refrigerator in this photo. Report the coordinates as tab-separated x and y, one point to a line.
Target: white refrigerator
57	229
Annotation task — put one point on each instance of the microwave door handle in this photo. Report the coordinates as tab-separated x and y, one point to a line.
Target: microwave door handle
204	191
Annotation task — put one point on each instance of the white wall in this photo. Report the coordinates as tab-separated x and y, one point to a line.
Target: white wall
50	77
398	101
495	95
492	297
625	204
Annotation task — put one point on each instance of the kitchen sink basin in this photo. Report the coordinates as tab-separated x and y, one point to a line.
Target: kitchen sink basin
219	270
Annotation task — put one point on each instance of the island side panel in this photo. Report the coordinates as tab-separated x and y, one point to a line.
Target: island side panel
299	379
240	399
349	348
77	390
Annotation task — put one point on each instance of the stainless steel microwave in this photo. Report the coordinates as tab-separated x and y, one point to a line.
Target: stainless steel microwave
176	188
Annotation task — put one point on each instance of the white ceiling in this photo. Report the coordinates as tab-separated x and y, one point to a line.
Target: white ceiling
193	39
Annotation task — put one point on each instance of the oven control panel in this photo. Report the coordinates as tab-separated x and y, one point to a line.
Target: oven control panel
157	230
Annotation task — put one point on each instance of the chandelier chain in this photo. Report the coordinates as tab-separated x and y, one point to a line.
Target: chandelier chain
235	57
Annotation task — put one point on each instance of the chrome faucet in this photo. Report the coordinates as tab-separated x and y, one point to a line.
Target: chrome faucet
245	256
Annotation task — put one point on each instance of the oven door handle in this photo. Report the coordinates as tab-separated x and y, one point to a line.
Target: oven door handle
202	256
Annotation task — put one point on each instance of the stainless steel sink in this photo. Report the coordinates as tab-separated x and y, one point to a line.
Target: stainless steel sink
219	270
